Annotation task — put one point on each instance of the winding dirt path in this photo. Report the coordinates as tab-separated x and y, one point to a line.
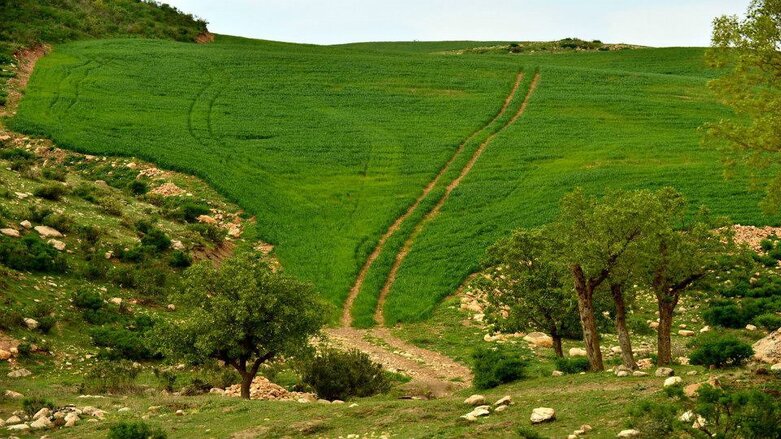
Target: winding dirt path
379	316
359	280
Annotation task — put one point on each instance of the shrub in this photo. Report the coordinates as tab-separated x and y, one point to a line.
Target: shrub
167	378
210	232
638	326
151	282
111	206
340	375
31	406
46	324
720	350
654	420
766	260
31	253
138	187
573	364
121	344
111	377
739	414
771	322
196	386
732	315
61	222
135	430
10	317
180	259
90	234
57	173
53	191
529	433
87	192
156	239
190	211
493	367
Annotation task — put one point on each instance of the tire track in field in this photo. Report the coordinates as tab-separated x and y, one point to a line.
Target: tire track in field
361	278
379	316
191	110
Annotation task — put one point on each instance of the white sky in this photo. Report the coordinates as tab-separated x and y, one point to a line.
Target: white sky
646	22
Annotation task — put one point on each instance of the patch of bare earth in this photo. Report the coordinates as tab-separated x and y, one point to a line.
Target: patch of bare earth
25	63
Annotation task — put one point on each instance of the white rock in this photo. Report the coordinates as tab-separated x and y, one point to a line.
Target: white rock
177	245
672	381
71	419
615	349
506	400
776	367
26	224
48	232
751	327
501	408
171	307
539	339
4	355
768	349
41	423
10	232
542	414
654	325
30	323
705	329
11	394
19	373
42	412
124	409
628	433
577	352
115	300
18	427
13	420
622	373
664	372
179	413
557	373
639	373
475	400
57	244
686	333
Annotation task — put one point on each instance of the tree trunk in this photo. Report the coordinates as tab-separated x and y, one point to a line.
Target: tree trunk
246	381
588	321
554	333
623	333
664	350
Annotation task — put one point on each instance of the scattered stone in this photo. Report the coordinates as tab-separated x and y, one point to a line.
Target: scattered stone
776	367
206	219
686	333
628	433
615	349
26	224
475	400
705	329
124	409
109	254
115	300
542	414
42	412
539	339
476	413
768	349
577	352
13	420
654	325
691	373
57	244
639	373
177	245
691	389
10	232
167	190
41	423
506	400
751	327
171	307
4	355
180	413
501	408
683	361
622	373
263	389
18	427
11	394
664	372
19	373
557	373
30	323
672	381
48	232
645	363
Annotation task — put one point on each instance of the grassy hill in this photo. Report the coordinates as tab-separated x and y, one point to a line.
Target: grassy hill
327	146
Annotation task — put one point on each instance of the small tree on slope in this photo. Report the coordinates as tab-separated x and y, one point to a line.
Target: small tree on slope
528	287
242	314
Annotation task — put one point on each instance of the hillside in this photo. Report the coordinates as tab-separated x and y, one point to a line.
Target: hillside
330	146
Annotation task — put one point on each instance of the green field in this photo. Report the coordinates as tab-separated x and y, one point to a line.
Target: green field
328	145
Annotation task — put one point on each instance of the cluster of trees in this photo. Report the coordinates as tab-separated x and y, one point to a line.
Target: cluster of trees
605	249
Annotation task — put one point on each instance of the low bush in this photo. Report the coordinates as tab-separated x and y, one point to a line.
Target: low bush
720	350
138	187
10	317
166	377
210	232
529	433
85	299
739	414
90	234
190	211
135	430
180	259
573	364
31	253
32	405
56	173
59	221
340	375
156	239
771	322
653	420
496	366
52	192
116	377
121	343
730	314
46	324
111	206
87	192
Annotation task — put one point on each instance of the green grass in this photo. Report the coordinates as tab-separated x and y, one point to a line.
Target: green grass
328	145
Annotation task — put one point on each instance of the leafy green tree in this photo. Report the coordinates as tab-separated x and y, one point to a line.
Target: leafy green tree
678	260
243	314
529	286
599	239
750	49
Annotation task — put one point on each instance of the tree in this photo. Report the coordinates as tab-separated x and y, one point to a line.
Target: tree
618	285
597	239
751	49
528	287
677	261
242	314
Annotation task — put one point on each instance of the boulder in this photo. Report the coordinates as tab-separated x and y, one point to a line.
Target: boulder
48	232
13	420
11	394
18	427
171	307
71	419
577	352
557	373
501	408
664	372
475	400
672	381
639	373
41	423
44	412
776	367
30	323
115	300
628	433
476	413
645	363
542	414
705	328
686	333
615	349
654	325
751	327
26	224
10	232
4	355
539	339
622	371
768	349
691	389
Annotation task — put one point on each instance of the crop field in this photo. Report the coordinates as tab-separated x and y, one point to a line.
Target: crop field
328	146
